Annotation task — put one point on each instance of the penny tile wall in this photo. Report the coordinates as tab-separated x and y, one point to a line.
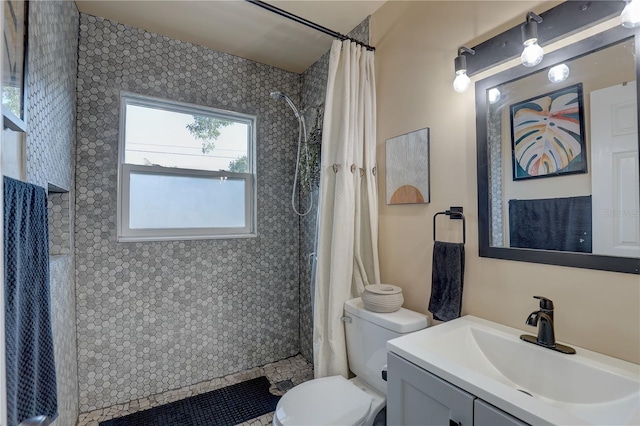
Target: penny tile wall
157	316
152	317
50	146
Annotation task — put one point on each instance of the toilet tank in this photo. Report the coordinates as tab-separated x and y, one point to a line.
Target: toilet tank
367	333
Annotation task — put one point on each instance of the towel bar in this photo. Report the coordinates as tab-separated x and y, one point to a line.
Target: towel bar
453	213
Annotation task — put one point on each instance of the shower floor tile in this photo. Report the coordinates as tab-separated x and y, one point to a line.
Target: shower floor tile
296	369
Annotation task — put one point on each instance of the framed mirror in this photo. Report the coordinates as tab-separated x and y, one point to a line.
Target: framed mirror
558	166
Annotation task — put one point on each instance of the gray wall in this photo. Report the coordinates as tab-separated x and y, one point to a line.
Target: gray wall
162	315
50	117
314	88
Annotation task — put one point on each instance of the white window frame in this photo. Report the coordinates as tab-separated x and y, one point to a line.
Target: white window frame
125	233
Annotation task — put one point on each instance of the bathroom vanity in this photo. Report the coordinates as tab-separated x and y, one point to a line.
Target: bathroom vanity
470	371
415	394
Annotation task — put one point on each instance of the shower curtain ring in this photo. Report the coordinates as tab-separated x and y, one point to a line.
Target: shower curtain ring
353	168
361	172
336	168
374	171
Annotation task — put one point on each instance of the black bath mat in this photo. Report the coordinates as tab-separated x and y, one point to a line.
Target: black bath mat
221	407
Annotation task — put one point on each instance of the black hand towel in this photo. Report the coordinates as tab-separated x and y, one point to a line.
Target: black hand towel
447	280
31	374
563	224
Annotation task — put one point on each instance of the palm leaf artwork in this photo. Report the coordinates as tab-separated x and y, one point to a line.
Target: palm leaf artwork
548	135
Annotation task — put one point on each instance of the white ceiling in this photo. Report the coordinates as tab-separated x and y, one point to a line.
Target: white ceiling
241	28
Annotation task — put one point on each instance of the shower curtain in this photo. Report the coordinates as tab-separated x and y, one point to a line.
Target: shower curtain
348	204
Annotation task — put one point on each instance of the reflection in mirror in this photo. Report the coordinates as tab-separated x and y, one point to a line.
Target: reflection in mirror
558	165
564	157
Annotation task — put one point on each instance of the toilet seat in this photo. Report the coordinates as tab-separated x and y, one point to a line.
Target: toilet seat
326	401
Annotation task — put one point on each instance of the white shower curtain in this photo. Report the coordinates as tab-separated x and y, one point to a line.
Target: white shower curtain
348	204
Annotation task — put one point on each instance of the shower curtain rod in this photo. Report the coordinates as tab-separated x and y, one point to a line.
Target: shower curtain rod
307	23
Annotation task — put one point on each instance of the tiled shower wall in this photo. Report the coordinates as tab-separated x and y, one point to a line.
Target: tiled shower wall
50	117
314	88
157	316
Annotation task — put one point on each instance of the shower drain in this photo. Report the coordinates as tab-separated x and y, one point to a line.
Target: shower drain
284	385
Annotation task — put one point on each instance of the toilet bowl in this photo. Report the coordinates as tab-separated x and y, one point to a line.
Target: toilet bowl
329	401
358	401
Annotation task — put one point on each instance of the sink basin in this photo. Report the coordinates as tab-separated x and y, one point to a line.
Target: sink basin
535	384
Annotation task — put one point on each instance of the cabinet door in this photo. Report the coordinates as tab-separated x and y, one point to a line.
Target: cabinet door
417	397
487	415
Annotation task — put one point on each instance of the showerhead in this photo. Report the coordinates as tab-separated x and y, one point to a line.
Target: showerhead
280	95
302	132
277	95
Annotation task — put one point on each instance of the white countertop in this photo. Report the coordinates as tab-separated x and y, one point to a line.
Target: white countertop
490	361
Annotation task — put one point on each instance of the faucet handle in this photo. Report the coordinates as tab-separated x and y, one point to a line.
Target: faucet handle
545	304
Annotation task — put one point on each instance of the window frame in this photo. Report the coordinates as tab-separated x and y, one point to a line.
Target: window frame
125	233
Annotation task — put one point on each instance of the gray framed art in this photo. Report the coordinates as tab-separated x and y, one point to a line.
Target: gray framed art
407	168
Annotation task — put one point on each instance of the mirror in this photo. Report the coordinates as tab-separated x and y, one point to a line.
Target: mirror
558	166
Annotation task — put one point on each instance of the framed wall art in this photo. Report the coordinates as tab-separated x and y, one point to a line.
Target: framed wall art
407	168
547	135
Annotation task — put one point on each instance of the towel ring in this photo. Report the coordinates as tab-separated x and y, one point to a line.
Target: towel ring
452	215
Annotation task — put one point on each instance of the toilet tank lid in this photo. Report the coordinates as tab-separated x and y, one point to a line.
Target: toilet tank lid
401	321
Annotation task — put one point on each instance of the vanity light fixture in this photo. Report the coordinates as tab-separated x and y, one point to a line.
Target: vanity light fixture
462	81
630	16
558	73
494	95
532	53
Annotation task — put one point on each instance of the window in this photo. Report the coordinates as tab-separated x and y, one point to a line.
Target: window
185	171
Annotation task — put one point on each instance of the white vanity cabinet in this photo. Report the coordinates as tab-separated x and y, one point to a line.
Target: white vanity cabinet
485	414
417	397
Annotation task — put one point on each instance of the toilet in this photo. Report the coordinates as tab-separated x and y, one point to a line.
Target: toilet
360	400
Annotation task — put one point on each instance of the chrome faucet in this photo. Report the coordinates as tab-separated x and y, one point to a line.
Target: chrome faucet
543	318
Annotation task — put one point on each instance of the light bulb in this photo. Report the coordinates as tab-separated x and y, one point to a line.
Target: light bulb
494	95
558	73
462	81
532	53
630	16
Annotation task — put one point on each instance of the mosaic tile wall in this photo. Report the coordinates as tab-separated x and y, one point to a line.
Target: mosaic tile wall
59	223
64	326
157	316
314	88
494	130
50	118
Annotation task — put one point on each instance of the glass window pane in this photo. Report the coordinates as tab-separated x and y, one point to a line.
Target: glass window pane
166	138
169	201
13	57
